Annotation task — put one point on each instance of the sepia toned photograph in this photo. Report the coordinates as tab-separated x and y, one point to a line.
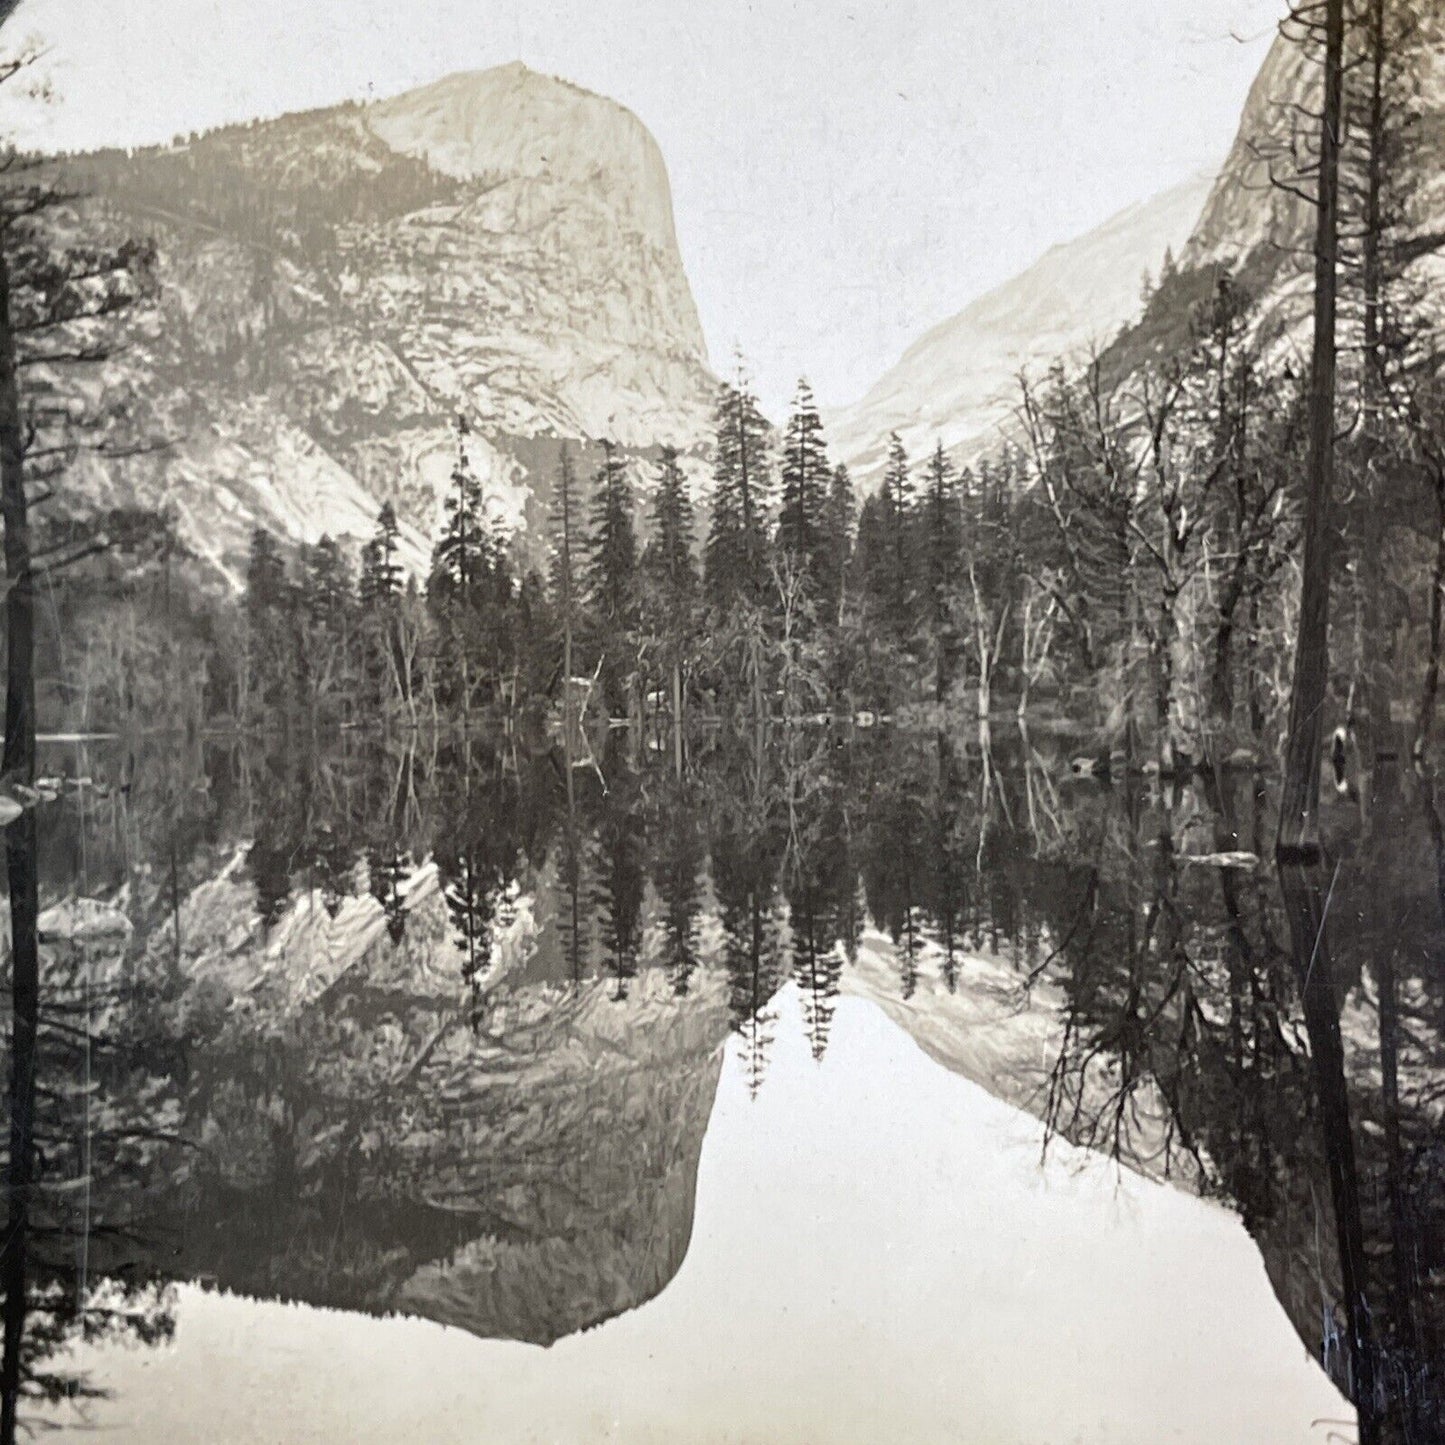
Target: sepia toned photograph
722	722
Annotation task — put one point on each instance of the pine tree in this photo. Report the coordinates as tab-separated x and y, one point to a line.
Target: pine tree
460	557
380	580
669	556
470	589
329	591
736	561
271	618
612	575
669	577
379	593
326	625
838	533
886	561
265	574
897	514
938	547
802	532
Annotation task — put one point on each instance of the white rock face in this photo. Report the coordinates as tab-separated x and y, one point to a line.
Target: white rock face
336	287
1244	210
1259	217
958	383
513	125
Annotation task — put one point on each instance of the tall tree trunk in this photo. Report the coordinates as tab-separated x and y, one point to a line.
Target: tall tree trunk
1299	828
1375	671
1304	898
677	740
18	766
1221	673
1425	714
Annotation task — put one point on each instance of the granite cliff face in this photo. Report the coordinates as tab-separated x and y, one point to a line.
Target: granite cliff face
1249	214
336	286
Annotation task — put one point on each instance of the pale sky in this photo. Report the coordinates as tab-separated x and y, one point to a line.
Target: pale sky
844	174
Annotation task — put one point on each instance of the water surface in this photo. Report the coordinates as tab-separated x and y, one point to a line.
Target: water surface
844	1088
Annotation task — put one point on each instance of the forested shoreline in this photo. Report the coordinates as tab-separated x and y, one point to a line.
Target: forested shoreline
1126	562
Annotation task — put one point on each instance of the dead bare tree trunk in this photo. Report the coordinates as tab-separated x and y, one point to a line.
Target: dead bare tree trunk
1299	829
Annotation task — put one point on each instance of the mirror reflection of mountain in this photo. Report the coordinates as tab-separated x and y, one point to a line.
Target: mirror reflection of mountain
416	1034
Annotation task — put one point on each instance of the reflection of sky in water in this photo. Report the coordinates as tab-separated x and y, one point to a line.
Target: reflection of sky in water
877	1255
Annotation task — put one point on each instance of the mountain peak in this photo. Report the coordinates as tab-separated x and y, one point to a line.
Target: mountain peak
326	306
516	123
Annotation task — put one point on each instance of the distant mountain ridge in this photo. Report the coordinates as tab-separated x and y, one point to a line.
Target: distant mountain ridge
337	286
958	383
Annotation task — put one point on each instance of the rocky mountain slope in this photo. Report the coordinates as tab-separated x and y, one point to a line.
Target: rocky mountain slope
958	383
336	286
1259	219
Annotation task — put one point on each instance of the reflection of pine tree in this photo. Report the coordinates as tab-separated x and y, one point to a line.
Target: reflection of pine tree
676	863
270	869
620	883
281	824
818	878
947	862
572	904
745	860
334	868
752	953
103	1130
472	895
477	855
817	967
891	866
387	797
385	870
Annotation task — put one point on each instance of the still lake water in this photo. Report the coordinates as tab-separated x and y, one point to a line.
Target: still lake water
848	1088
